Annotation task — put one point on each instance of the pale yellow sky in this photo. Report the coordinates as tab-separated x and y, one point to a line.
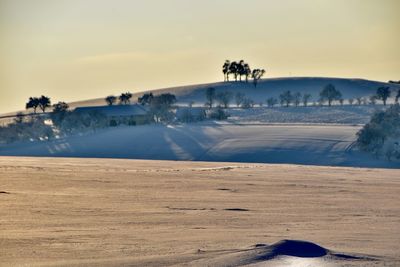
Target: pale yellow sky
81	49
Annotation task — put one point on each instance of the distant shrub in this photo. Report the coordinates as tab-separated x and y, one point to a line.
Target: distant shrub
286	98
218	114
239	97
247	103
381	136
224	98
25	129
78	122
271	102
191	115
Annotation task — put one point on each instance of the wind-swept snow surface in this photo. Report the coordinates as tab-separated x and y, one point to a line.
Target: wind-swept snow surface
113	212
298	144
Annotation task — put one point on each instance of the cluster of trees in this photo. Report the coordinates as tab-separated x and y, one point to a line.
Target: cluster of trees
66	122
381	136
124	99
71	122
26	128
382	93
161	106
239	69
329	94
42	102
59	122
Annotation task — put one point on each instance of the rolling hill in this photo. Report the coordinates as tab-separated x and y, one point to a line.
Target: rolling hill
350	88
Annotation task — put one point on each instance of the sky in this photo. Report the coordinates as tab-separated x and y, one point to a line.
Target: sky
73	50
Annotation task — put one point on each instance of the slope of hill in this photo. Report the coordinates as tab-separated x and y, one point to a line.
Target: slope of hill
225	142
272	87
350	88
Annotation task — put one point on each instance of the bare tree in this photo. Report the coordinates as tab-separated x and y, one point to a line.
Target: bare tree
329	93
383	93
286	98
296	98
271	102
247	71
306	99
239	97
372	99
224	98
257	75
210	97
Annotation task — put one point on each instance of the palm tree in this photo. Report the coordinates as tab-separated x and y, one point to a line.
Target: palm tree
44	102
33	102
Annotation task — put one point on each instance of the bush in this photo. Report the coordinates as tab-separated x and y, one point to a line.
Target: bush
247	103
218	114
77	122
25	129
381	136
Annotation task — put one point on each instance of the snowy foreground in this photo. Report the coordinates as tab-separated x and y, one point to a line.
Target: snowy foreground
110	212
226	142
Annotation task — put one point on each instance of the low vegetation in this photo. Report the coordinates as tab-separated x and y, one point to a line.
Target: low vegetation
381	136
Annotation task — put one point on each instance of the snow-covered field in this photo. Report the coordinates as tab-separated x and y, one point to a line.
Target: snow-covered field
271	87
110	212
297	144
335	114
301	135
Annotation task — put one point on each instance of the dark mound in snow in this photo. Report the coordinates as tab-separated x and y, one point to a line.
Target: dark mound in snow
297	248
279	250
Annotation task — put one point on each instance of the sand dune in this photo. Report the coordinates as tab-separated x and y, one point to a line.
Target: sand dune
109	212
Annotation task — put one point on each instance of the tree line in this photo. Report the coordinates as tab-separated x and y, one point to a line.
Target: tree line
329	94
